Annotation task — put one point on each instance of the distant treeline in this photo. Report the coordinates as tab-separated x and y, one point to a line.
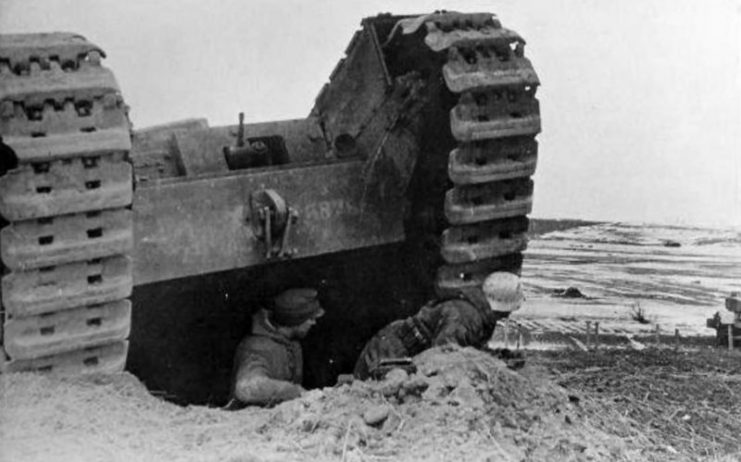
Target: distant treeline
540	226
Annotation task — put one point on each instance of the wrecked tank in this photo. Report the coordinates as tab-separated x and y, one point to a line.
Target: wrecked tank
149	248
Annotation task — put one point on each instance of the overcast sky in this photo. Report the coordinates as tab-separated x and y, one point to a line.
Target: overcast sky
640	99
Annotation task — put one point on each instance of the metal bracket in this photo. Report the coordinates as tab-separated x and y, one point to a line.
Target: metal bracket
273	220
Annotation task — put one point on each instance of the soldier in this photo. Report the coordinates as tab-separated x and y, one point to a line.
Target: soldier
268	363
467	320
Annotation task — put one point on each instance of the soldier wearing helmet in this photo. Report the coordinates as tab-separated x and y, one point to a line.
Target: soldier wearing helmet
467	320
268	365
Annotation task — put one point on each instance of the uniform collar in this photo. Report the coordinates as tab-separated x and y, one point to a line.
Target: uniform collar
262	326
478	300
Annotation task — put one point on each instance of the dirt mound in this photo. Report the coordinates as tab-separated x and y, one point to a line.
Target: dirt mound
461	404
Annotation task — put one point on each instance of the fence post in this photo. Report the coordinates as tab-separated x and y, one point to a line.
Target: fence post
676	339
730	336
596	335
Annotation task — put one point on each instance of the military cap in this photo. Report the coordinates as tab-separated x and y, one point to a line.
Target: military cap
294	306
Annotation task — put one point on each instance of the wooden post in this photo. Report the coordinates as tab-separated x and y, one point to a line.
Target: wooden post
676	339
730	336
506	333
658	339
596	335
589	335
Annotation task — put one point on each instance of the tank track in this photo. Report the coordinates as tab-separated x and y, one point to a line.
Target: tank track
66	249
494	122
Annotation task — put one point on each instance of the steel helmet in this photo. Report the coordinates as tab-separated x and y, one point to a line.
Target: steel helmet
503	291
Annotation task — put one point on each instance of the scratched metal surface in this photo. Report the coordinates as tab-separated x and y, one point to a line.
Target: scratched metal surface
201	226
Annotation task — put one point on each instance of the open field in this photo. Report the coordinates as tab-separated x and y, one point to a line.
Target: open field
677	277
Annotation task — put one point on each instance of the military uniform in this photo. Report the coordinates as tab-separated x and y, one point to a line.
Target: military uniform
268	364
466	321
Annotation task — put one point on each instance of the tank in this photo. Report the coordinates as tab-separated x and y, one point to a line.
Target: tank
147	249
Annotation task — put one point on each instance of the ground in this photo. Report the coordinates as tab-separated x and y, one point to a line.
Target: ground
461	404
678	398
683	403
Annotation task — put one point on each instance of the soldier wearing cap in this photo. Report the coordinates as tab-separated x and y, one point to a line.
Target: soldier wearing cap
466	320
268	363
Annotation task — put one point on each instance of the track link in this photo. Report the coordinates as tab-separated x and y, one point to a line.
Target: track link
66	248
495	123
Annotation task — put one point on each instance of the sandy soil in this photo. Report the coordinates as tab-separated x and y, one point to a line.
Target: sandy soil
462	404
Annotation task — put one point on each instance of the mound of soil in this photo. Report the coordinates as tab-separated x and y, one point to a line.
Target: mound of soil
461	404
570	292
